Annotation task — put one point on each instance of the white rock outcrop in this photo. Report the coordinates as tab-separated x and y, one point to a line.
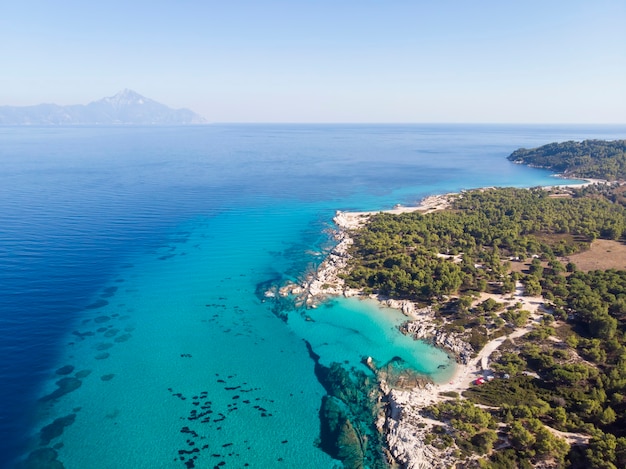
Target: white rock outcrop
406	430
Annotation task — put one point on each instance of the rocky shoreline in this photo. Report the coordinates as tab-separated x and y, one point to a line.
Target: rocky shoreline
401	422
327	281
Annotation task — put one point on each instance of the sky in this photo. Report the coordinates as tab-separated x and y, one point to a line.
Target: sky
301	61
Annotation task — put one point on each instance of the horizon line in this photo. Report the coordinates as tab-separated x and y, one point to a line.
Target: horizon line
321	123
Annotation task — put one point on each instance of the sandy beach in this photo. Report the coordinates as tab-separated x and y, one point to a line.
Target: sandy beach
588	182
354	220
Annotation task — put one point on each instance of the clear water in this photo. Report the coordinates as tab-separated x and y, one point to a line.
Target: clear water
136	255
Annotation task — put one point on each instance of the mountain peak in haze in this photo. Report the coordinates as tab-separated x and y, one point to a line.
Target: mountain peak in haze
125	108
125	96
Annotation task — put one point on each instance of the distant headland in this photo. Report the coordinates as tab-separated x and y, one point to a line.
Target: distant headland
125	108
598	159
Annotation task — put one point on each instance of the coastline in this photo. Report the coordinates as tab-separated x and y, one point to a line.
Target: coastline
261	239
326	280
402	422
588	182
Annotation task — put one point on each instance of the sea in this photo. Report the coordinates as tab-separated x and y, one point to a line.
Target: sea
135	325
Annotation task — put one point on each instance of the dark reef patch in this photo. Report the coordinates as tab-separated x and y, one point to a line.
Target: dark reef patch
43	458
205	418
280	305
97	304
348	414
122	338
55	429
108	292
64	386
107	377
82	335
65	370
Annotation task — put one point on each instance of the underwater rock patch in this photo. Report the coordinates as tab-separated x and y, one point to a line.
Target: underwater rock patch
206	415
113	414
102	356
108	292
82	335
65	370
338	436
43	458
65	386
122	338
55	429
107	377
101	319
347	415
97	304
104	346
111	332
83	374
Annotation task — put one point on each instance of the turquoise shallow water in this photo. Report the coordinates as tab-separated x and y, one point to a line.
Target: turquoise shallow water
202	353
137	256
346	330
186	356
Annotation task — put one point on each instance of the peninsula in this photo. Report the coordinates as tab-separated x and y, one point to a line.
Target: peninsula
597	159
527	288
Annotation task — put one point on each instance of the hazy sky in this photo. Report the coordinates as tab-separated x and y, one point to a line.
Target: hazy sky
547	61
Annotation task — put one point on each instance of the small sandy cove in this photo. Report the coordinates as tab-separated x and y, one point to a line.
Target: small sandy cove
478	366
354	220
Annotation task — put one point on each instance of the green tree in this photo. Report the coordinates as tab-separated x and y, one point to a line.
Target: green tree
607	416
521	438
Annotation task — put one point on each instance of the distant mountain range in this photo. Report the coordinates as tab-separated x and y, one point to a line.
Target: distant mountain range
126	107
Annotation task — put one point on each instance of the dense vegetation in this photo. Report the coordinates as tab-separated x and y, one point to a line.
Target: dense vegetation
588	159
569	373
405	255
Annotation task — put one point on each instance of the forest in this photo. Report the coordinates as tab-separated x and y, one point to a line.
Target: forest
597	159
407	256
569	373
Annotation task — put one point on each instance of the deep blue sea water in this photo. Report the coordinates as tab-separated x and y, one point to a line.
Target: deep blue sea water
134	258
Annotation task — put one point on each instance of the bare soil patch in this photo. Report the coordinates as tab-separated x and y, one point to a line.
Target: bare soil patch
604	254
